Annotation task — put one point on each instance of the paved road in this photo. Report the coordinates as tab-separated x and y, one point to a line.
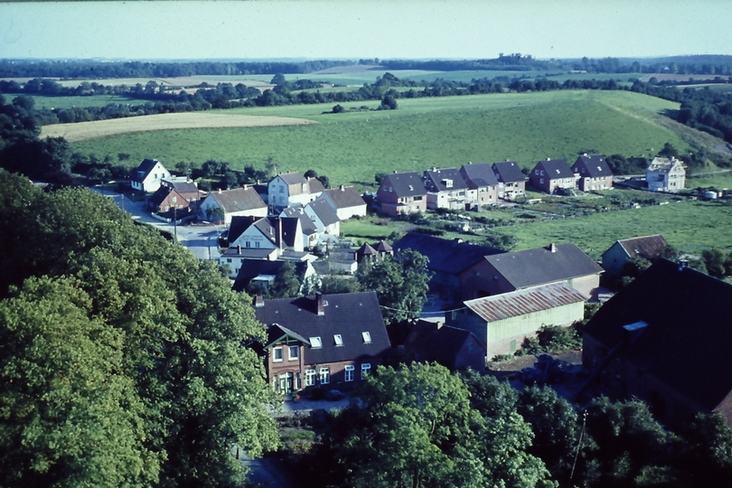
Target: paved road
201	240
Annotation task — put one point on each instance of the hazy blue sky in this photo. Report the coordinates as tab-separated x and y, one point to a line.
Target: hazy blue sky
316	29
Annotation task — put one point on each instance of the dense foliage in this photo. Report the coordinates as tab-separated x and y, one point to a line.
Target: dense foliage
124	360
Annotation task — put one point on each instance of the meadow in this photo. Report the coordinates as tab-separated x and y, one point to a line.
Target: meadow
41	102
352	147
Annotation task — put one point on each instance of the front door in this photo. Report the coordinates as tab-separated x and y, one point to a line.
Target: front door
285	382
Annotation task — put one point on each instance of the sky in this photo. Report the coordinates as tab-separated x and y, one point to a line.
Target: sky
361	29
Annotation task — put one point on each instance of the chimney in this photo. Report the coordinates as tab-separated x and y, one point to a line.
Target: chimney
238	249
320	303
552	247
258	301
279	230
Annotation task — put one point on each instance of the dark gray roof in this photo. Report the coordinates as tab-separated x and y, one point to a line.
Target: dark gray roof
383	246
293	178
144	169
296	180
268	226
592	166
445	256
648	247
160	195
442	345
345	197
324	211
239	199
438	180
248	252
347	314
404	184
541	266
184	188
686	343
307	226
479	175
508	172
366	250
555	168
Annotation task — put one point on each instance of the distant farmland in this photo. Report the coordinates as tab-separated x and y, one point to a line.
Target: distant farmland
445	131
150	123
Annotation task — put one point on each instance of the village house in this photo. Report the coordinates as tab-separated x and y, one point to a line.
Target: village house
324	218
322	340
446	188
594	173
148	176
290	189
502	322
552	175
510	271
402	194
266	233
625	250
666	174
346	201
182	195
223	205
511	180
665	339
310	234
481	179
447	260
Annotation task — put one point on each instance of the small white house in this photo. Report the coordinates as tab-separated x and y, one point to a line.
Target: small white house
324	217
223	205
292	189
266	233
664	174
346	201
149	175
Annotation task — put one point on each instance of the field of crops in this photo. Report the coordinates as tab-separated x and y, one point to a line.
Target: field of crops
88	101
447	131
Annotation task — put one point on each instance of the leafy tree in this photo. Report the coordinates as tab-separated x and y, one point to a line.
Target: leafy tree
286	282
335	284
708	446
668	151
389	102
401	284
338	108
714	261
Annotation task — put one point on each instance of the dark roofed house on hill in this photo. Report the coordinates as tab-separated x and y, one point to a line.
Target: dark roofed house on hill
148	176
594	173
551	175
511	180
323	339
482	180
623	251
446	188
501	273
665	339
402	194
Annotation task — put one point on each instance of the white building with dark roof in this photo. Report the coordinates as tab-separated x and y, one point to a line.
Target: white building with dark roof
346	201
594	172
223	205
289	189
447	188
666	174
149	175
402	194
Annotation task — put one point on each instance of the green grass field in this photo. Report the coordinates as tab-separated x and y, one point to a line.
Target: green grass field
90	101
447	131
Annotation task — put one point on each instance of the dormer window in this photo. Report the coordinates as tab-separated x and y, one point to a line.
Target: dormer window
366	337
316	343
338	339
447	182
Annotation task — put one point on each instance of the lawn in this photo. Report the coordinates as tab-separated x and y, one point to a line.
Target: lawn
446	131
88	101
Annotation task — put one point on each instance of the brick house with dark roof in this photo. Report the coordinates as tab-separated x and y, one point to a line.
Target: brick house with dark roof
483	181
511	180
510	271
333	339
551	175
623	251
446	188
665	339
402	194
594	172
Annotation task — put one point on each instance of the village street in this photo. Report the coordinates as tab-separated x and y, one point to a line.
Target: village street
201	240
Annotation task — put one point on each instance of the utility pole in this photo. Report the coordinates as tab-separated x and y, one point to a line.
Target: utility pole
175	214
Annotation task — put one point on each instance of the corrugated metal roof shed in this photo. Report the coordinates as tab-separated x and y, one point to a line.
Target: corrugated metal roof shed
522	302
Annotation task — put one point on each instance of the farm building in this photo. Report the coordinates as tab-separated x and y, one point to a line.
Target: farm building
502	322
665	339
481	179
223	205
292	189
449	346
148	176
624	250
322	339
346	201
664	174
511	180
506	272
402	194
594	173
446	188
551	175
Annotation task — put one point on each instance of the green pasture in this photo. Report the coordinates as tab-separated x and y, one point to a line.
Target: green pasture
42	102
421	133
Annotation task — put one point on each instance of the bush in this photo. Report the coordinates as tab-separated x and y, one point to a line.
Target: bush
553	339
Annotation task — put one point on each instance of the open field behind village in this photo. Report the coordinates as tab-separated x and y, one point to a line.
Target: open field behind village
150	123
447	131
41	102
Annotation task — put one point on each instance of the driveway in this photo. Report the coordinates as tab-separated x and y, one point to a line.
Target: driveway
201	240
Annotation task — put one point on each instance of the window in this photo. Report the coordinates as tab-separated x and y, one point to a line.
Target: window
348	375
293	352
324	376
277	354
256	244
247	244
310	377
365	369
228	260
316	343
338	339
366	337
